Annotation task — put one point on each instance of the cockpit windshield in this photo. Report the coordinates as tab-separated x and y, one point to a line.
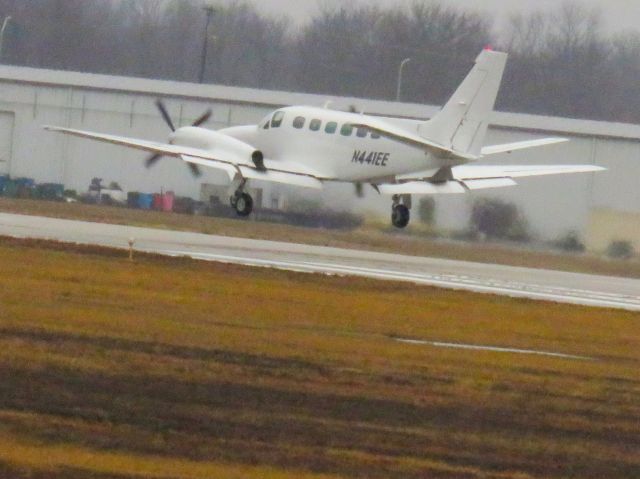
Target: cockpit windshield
276	121
266	122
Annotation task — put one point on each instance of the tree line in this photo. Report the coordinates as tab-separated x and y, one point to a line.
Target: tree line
561	63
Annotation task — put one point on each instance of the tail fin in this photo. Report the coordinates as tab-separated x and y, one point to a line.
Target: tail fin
462	124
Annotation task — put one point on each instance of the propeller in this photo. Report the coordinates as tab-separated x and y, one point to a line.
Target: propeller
165	114
204	118
359	190
154	158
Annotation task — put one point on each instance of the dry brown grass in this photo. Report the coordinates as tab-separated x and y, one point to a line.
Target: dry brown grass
408	242
171	368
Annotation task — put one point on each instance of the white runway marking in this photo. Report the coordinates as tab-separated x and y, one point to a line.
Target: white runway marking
537	284
480	285
496	349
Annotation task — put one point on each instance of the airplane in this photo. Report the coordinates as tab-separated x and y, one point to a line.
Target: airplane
310	146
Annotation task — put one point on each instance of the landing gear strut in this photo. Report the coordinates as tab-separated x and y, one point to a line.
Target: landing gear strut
400	214
241	201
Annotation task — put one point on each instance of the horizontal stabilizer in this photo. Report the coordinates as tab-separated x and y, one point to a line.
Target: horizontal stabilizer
521	145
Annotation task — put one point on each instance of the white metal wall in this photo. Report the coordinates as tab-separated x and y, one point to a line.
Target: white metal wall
553	205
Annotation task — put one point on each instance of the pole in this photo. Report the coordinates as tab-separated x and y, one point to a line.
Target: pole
205	45
2	32
400	71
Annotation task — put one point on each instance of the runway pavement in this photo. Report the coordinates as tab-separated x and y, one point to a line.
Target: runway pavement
590	290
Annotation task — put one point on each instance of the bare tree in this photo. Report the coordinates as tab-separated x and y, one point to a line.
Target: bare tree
357	51
560	64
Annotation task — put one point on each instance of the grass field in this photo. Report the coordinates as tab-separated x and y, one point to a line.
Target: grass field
170	368
370	238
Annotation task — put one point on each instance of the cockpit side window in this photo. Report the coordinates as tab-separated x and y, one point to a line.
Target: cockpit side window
276	121
361	132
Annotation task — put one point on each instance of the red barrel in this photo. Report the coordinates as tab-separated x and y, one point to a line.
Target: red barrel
157	202
167	201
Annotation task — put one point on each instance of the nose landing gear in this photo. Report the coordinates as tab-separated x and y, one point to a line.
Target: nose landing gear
400	215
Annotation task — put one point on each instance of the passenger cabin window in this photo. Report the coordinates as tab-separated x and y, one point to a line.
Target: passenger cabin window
331	127
346	130
361	132
299	122
315	125
277	119
375	136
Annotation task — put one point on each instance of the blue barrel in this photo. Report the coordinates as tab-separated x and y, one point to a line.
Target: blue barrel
50	191
25	182
145	201
11	189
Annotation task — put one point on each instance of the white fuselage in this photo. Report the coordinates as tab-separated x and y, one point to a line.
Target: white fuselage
320	141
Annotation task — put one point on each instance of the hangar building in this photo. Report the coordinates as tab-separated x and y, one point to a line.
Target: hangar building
30	98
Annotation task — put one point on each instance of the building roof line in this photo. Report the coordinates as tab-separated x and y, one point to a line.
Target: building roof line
277	99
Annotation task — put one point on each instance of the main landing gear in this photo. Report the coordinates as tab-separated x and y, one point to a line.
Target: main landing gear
400	214
242	202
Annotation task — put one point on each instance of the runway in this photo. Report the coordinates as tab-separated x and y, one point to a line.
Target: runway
589	290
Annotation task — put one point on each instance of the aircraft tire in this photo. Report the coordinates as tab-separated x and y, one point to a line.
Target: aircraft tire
244	204
400	216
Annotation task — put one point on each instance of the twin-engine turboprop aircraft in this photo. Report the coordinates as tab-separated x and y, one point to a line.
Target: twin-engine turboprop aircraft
307	147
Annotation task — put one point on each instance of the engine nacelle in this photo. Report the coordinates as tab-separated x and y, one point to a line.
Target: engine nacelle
222	147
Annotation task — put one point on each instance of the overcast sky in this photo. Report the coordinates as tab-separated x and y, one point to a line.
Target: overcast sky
618	14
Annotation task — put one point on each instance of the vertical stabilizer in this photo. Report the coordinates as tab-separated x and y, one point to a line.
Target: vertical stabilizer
462	124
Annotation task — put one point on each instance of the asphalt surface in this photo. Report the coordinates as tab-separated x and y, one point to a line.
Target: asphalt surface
590	290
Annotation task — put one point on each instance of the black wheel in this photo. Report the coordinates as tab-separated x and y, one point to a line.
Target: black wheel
244	205
400	216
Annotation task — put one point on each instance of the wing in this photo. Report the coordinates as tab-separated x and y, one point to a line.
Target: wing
476	177
474	172
272	173
221	159
521	145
